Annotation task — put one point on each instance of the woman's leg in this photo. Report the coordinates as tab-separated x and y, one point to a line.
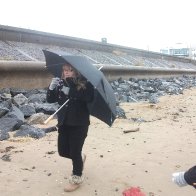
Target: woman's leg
76	140
63	141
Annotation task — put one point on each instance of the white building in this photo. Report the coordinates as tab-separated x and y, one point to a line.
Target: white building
180	50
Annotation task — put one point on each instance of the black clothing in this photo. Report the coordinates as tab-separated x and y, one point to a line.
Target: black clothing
75	112
70	143
73	120
190	176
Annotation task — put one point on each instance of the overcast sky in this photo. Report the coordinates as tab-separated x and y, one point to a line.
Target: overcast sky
144	24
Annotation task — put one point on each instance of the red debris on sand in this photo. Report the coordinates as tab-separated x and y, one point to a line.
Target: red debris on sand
133	191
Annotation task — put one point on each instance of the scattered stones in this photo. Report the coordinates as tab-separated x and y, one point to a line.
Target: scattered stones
131	130
50	152
26	169
9	148
138	120
6	157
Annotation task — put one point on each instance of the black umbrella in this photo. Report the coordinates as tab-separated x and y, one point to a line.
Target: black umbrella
103	105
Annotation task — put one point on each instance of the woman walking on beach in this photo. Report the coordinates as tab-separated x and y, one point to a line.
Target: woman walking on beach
73	119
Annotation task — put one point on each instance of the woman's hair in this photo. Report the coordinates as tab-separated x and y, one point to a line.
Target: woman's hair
79	80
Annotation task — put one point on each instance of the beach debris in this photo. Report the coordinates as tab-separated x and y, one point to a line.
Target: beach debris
26	169
131	130
6	157
9	148
120	113
50	152
133	191
138	120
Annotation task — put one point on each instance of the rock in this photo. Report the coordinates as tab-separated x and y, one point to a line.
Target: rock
37	118
9	123
6	157
29	131
19	99
5	107
16	91
4	135
46	108
50	129
16	112
27	110
37	98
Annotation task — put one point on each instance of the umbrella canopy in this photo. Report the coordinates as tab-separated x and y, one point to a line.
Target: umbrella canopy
103	105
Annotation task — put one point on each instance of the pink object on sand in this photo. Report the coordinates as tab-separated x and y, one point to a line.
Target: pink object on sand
133	191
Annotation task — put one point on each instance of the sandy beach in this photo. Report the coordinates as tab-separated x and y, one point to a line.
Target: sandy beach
163	143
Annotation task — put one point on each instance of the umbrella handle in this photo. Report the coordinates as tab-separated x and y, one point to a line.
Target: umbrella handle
51	116
48	119
100	67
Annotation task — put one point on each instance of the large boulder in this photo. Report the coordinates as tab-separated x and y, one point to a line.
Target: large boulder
30	131
5	107
9	123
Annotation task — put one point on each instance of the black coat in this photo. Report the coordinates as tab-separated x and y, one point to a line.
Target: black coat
75	112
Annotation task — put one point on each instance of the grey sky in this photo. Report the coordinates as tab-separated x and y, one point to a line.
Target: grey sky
145	24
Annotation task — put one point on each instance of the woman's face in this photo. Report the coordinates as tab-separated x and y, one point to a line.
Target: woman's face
68	71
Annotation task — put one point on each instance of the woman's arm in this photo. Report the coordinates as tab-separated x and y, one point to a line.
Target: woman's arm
51	96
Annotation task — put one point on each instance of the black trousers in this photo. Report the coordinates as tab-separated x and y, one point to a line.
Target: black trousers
70	143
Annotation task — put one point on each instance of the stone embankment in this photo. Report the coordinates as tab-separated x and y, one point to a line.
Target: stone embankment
21	110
